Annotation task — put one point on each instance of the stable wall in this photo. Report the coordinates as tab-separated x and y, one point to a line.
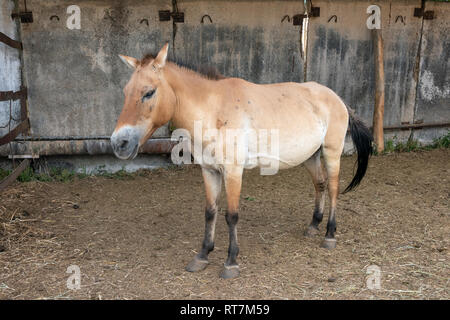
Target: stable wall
75	78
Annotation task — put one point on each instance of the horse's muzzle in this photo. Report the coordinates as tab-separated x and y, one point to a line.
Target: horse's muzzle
125	142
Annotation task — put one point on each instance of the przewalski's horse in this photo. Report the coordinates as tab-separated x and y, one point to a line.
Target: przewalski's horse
310	118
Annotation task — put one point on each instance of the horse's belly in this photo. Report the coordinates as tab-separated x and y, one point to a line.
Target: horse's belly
290	151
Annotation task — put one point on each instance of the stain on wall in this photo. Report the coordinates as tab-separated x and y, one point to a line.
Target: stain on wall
75	77
341	55
245	39
433	91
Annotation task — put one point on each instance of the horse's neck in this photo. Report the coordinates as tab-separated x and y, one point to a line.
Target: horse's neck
192	93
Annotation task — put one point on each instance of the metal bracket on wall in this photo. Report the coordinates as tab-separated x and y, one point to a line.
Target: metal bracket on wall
427	15
25	16
298	19
165	15
315	12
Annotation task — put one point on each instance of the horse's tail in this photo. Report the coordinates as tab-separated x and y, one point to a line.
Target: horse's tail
362	139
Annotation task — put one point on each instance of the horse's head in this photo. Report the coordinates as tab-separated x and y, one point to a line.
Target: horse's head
149	104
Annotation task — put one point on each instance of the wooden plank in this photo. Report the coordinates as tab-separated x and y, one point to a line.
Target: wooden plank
10	42
13	176
23	104
11	95
378	112
22	127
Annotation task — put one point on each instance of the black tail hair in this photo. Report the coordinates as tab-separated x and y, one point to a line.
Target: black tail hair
362	139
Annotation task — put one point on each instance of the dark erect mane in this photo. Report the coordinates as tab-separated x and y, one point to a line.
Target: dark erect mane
205	71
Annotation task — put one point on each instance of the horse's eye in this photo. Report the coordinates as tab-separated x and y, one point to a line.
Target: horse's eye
148	95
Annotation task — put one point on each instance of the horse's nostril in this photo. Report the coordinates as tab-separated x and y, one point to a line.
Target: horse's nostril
123	144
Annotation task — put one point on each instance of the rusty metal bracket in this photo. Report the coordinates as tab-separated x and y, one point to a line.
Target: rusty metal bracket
335	18
315	12
298	19
13	95
420	12
427	15
10	42
286	17
206	16
25	16
401	18
165	15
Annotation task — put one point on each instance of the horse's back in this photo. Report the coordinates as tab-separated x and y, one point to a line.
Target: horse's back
300	112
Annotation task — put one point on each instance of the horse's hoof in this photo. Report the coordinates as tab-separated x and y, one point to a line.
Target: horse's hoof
328	243
196	265
311	231
230	272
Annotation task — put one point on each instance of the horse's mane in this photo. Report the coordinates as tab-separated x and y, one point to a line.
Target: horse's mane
205	71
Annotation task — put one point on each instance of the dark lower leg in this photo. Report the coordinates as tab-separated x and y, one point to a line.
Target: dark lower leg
233	248
314	167
208	240
212	181
333	190
331	225
233	183
319	203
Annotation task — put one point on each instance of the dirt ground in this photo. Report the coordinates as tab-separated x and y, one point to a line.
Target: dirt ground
132	237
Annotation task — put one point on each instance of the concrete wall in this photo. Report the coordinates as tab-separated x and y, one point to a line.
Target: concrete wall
75	78
10	79
246	38
340	56
433	91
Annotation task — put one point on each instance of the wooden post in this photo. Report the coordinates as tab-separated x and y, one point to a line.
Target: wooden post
378	112
13	176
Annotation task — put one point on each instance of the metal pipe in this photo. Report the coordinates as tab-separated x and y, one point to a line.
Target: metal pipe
98	145
418	126
80	147
62	138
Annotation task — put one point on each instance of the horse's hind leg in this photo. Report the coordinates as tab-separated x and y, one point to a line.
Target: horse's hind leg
213	186
314	167
233	183
332	156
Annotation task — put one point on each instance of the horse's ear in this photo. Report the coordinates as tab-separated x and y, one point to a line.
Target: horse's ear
129	61
160	60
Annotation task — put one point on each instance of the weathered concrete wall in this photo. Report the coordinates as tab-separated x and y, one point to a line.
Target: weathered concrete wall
75	77
433	91
246	39
340	56
10	79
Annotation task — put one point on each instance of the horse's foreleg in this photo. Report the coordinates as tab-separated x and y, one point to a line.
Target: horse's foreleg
233	183
314	167
332	161
213	186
